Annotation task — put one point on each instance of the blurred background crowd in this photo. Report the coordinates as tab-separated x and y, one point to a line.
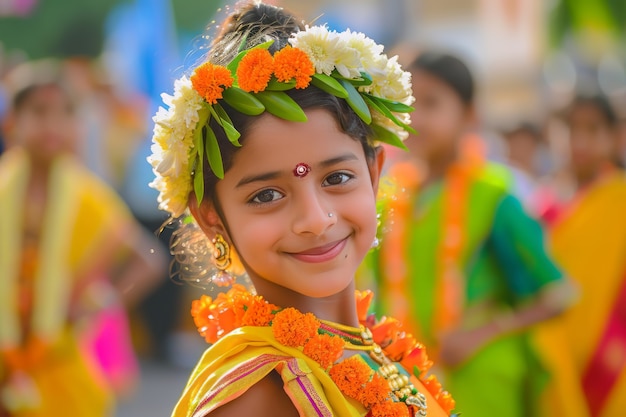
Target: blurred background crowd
548	105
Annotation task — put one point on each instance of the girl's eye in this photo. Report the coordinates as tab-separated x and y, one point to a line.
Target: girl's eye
266	196
337	178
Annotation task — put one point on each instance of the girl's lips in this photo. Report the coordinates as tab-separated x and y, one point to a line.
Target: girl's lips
321	253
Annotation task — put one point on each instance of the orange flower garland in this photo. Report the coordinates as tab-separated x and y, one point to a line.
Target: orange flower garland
210	80
353	376
376	391
324	349
290	63
255	70
259	313
390	409
350	376
292	328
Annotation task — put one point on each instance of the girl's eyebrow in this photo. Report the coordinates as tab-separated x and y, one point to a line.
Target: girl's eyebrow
260	177
275	174
341	158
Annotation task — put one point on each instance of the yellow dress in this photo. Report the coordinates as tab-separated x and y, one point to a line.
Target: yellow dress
588	343
43	368
246	355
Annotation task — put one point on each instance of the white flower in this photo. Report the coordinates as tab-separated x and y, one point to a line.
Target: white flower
368	50
186	102
172	145
394	84
328	50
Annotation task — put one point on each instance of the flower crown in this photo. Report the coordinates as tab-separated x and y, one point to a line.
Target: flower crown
348	65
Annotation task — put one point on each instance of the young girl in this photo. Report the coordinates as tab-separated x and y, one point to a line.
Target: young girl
270	145
63	232
588	238
460	261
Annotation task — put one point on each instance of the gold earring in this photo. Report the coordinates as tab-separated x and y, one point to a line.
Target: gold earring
221	255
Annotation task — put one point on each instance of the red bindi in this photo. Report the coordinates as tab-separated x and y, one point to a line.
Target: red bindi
301	170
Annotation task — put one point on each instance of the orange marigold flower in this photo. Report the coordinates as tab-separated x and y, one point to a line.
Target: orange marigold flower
385	331
417	358
324	349
203	313
400	346
432	385
227	321
350	376
292	328
390	409
446	401
200	307
376	391
290	63
363	301
255	70
209	81
258	313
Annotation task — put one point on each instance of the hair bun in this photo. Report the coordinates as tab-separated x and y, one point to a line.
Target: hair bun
256	22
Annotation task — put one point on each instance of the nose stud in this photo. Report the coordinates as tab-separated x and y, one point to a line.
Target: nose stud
330	214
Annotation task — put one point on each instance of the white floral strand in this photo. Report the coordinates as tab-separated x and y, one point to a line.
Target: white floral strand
172	146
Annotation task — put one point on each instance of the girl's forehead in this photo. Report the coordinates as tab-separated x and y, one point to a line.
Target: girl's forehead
319	135
277	144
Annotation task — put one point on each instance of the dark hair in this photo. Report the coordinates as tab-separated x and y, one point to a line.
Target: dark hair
530	128
26	79
253	25
448	69
600	102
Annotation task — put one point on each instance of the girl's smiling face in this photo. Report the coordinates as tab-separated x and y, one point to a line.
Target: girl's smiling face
306	233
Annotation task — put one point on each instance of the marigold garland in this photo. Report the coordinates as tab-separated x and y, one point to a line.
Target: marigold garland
293	63
350	376
210	80
390	409
353	376
259	313
376	391
292	328
255	70
324	349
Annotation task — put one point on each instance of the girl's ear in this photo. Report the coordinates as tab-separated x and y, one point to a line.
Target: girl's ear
206	216
376	167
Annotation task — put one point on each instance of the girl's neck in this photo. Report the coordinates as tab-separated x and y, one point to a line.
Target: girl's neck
339	308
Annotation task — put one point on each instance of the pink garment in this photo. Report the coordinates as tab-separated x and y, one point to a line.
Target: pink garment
110	344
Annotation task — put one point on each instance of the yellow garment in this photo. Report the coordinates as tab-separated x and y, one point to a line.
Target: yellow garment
245	356
68	383
82	214
589	242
